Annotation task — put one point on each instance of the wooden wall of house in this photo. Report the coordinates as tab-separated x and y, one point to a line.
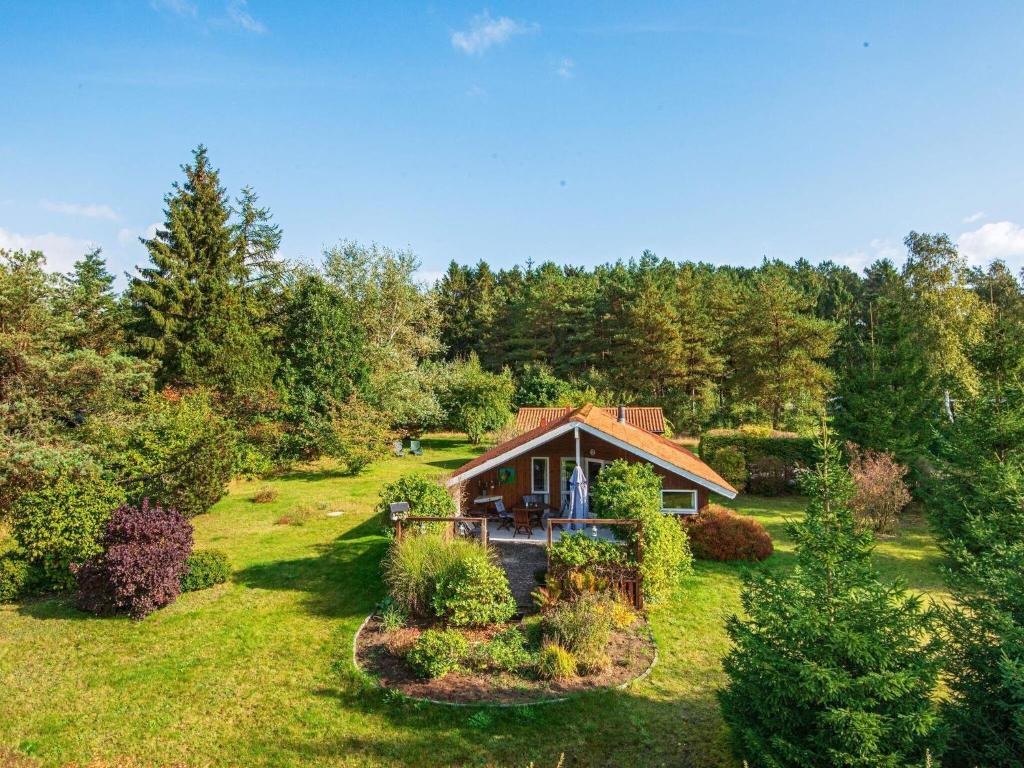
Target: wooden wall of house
563	446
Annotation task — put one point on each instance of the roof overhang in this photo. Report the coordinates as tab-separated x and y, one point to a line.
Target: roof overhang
568	427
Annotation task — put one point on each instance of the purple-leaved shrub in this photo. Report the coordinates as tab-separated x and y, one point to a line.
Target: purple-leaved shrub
144	556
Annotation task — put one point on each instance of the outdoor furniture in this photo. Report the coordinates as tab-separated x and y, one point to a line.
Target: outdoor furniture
399	450
505	518
522	521
537	506
482	502
414	448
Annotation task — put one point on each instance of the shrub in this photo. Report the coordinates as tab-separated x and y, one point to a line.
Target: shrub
140	568
476	401
880	488
18	577
580	550
438	652
58	518
416	564
633	491
555	663
506	651
301	514
425	497
728	461
582	625
770	476
473	592
264	495
392	615
718	533
362	435
622	615
205	568
176	449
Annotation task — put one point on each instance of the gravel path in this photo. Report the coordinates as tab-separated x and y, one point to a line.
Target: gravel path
520	562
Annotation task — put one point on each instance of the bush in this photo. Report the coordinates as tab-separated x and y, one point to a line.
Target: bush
58	517
718	533
362	435
555	663
473	592
424	495
416	564
140	568
438	652
633	491
728	461
18	577
769	476
476	401
880	488
264	495
176	449
205	568
582	625
580	550
392	615
506	651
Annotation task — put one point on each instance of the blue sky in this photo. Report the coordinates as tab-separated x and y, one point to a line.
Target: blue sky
579	132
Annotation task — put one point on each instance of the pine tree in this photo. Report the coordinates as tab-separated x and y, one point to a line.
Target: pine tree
193	308
976	503
831	667
88	296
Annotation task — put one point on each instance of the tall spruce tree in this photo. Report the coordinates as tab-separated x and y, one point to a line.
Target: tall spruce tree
87	295
192	308
976	503
831	666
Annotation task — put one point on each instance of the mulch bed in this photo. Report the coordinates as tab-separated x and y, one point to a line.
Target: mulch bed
380	654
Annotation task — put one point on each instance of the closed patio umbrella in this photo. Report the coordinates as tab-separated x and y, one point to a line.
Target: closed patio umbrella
578	492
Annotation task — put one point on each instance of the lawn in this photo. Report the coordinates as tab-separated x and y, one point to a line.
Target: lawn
257	672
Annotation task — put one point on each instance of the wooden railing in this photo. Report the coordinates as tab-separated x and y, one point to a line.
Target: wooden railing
625	580
454	523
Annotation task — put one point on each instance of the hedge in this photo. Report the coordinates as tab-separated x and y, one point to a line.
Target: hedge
759	445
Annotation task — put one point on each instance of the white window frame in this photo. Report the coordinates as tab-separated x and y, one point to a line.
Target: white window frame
546	490
679	510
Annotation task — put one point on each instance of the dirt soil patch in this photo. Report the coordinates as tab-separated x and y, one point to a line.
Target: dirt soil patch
380	654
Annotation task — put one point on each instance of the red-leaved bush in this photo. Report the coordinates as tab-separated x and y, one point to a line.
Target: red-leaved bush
141	565
718	533
880	488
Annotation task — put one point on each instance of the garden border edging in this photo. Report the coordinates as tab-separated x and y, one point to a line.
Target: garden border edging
496	704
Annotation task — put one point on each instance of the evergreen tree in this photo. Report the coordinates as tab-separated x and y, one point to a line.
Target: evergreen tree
193	309
88	296
831	667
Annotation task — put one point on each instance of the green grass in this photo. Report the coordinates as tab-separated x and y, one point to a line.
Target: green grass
257	671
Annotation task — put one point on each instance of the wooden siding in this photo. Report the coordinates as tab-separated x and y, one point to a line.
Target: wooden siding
562	446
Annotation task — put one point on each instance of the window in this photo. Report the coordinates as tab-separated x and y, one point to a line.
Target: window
539	474
679	502
565	474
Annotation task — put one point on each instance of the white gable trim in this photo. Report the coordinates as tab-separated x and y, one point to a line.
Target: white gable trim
541	439
659	462
501	458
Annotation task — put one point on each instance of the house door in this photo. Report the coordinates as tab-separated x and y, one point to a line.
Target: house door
593	469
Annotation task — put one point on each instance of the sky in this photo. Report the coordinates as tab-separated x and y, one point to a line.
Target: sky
578	132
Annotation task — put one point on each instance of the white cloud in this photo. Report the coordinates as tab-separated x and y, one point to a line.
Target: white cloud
61	251
974	217
995	240
177	7
87	211
238	14
566	67
485	32
879	248
129	236
427	276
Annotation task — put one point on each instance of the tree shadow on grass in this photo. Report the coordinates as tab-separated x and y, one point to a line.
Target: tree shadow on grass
342	579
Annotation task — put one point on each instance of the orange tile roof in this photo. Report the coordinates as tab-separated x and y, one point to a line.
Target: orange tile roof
646	442
650	418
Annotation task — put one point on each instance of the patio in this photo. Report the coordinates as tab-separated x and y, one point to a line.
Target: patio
538	535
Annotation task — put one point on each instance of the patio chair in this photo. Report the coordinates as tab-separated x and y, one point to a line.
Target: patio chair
505	518
399	450
521	518
414	448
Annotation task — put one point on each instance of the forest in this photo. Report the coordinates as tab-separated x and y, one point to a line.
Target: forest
220	359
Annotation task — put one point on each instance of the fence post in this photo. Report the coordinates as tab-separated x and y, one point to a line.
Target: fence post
398	529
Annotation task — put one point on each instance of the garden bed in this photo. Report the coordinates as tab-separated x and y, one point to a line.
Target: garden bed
380	653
